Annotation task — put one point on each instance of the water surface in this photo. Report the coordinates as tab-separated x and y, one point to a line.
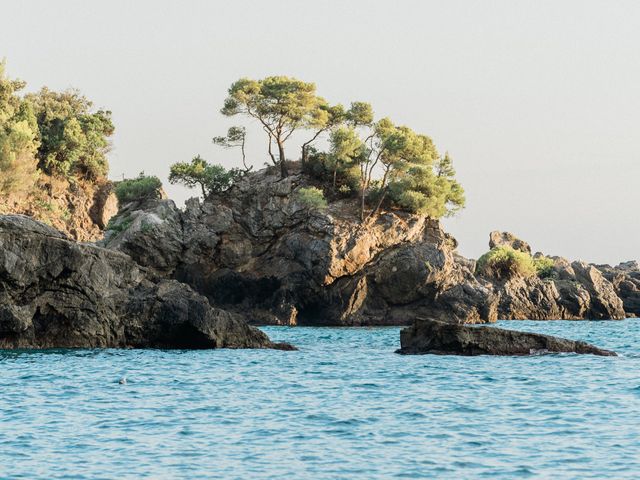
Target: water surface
344	406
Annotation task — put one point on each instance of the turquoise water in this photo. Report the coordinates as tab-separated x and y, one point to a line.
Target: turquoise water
344	406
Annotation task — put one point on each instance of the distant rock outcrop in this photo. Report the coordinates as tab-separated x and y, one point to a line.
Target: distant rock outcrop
431	336
501	239
625	279
55	292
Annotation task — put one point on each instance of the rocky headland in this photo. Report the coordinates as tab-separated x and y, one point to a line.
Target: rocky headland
256	254
257	250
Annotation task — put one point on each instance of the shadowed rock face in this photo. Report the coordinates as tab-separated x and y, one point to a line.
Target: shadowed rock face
430	336
56	293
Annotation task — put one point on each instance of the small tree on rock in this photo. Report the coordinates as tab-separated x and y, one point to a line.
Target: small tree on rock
210	178
281	104
236	137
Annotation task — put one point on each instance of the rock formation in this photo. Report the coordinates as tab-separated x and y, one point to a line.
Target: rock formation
500	239
442	338
256	249
55	292
625	279
81	209
571	291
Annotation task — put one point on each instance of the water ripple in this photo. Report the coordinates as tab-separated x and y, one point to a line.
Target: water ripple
343	406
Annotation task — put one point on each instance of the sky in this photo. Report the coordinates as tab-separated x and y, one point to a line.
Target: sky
538	102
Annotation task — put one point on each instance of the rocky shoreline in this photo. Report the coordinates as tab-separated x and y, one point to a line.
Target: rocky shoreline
163	277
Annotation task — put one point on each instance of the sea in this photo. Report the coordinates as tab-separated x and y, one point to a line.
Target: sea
344	406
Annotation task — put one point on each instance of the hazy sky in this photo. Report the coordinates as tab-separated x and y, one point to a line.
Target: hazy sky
538	102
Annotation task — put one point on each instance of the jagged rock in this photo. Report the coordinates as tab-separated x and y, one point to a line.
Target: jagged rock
149	231
257	250
445	338
79	208
625	279
55	292
499	239
105	205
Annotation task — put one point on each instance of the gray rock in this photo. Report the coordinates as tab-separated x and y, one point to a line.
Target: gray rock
55	292
257	251
431	336
499	239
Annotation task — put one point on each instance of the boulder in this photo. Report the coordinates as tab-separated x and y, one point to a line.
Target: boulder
445	338
501	239
56	293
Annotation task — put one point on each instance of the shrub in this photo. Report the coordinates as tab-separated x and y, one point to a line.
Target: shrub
139	188
504	262
312	198
544	266
118	224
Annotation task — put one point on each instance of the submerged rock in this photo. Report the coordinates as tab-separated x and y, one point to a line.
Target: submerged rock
431	336
55	292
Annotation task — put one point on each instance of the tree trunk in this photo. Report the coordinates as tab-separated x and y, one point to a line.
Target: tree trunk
283	163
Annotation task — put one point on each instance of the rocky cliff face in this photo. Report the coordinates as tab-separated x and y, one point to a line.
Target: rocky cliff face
625	279
81	209
55	292
257	249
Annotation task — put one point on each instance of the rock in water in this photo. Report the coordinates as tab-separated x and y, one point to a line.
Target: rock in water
56	293
432	336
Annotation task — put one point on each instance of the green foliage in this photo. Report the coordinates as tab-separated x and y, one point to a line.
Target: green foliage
74	141
312	198
141	188
504	262
119	224
18	142
413	175
236	137
210	178
544	266
281	104
359	114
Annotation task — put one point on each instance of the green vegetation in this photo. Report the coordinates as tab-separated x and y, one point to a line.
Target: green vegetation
544	266
48	133
236	137
73	140
210	178
411	173
141	188
18	140
282	105
312	198
118	224
504	262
